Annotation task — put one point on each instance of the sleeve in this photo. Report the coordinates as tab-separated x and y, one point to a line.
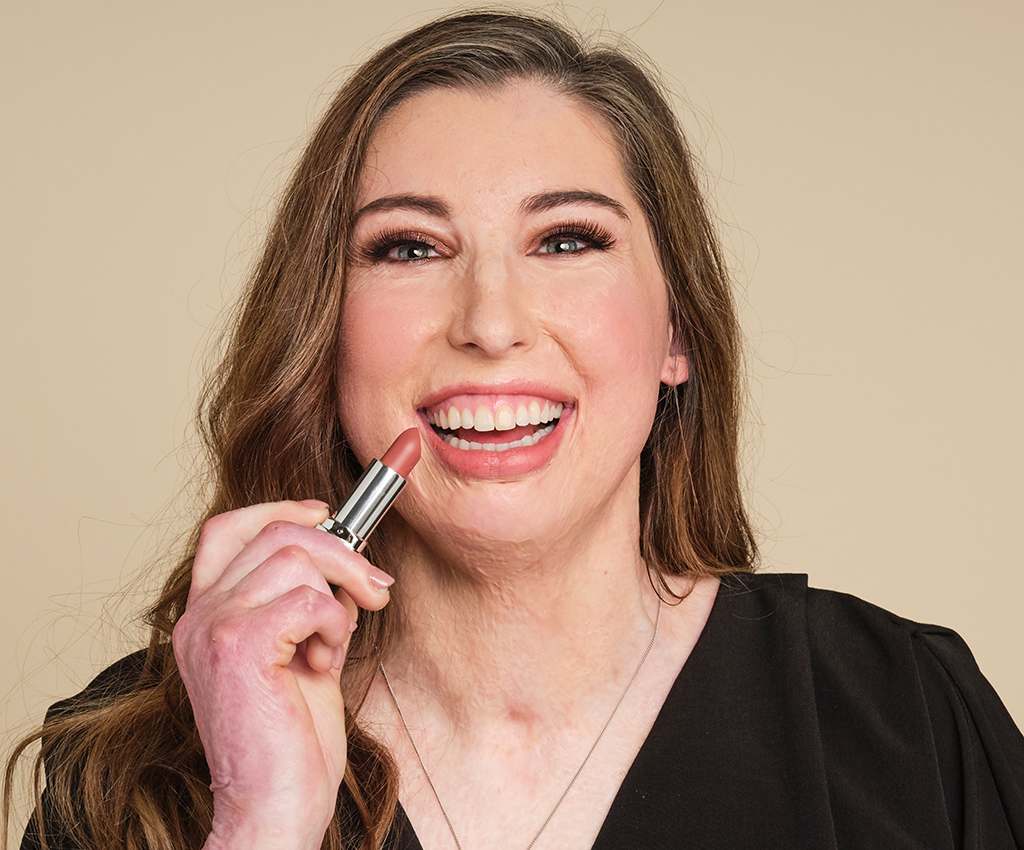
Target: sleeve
979	749
111	680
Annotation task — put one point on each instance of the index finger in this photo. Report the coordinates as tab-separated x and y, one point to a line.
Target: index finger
339	564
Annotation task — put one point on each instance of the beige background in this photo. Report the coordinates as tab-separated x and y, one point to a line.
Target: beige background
864	159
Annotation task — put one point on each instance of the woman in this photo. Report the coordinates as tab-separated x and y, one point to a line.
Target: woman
575	650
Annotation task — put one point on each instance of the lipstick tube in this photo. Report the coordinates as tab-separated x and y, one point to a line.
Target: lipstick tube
375	492
353	523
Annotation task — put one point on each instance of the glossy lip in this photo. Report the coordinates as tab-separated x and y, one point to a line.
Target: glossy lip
516	387
485	464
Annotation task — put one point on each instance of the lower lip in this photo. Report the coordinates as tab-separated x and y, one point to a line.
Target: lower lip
481	463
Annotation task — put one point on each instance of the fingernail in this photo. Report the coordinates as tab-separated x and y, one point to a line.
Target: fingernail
315	503
337	657
380	579
352	625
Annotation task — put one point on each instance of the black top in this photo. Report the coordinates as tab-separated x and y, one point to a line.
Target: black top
810	718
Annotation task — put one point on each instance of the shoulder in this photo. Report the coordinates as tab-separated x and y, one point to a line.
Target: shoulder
841	622
890	690
852	630
114	679
865	659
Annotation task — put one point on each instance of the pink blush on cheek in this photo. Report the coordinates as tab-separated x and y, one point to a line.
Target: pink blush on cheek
380	343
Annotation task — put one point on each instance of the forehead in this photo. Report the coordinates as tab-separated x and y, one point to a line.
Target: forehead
492	146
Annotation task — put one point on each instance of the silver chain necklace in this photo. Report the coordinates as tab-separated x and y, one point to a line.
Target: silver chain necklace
579	770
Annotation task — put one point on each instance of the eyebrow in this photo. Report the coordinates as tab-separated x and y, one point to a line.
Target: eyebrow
433	205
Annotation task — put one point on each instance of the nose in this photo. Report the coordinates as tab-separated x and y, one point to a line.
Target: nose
494	311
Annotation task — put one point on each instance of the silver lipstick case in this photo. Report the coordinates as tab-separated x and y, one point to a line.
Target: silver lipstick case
376	489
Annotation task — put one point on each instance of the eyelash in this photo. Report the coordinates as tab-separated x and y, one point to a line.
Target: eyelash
376	251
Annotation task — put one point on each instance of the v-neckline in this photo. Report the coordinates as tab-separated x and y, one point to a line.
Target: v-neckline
407	839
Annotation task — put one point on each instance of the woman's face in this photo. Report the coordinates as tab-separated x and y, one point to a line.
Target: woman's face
491	293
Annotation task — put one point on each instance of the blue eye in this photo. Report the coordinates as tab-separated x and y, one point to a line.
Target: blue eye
421	247
561	239
578	230
379	248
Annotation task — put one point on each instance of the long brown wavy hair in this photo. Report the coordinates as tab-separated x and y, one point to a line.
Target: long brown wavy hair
125	768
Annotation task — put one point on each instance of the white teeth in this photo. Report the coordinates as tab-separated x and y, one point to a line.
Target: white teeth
506	419
535	412
528	440
503	418
483	420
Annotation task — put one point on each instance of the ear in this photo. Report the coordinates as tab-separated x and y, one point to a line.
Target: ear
676	368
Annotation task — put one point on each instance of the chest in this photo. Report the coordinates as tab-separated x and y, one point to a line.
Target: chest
507	808
502	798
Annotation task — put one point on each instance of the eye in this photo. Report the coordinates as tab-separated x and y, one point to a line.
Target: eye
379	249
565	234
420	249
571	232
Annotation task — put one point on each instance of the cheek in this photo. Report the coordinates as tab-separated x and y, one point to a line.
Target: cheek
614	330
616	350
378	347
378	340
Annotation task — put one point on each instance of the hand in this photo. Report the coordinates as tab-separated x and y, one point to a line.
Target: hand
272	718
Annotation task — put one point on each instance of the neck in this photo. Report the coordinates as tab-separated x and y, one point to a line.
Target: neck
524	638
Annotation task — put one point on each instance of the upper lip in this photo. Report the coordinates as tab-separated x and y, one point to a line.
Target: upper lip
514	387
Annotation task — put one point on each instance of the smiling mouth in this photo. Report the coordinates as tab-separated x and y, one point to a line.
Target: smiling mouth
521	436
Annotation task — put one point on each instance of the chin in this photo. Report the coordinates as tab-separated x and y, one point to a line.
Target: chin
501	522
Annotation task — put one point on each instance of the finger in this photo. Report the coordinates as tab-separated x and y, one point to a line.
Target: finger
319	654
340	565
224	535
353	610
290	619
285	569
